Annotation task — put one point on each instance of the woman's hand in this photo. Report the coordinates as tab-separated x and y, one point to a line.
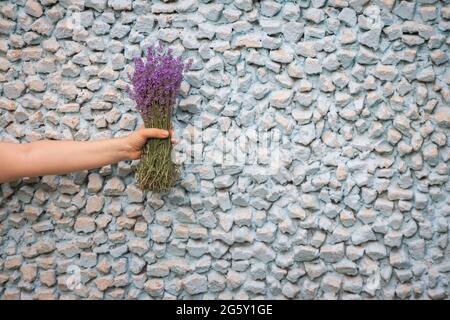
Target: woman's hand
136	140
40	158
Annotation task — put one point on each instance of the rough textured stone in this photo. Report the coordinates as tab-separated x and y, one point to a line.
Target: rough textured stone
350	203
195	284
85	224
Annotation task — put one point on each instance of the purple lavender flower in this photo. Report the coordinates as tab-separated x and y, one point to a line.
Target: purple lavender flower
155	86
156	81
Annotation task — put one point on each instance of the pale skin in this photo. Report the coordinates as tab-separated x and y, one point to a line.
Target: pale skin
49	157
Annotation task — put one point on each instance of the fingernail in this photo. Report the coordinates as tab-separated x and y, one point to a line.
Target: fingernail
165	133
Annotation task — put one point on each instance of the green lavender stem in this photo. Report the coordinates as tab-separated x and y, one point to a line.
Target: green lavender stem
156	170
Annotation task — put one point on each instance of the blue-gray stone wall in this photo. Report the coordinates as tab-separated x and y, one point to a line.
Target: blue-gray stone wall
350	199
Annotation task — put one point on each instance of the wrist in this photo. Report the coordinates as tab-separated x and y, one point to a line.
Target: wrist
124	148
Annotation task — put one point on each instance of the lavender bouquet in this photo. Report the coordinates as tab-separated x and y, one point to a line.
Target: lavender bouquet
155	86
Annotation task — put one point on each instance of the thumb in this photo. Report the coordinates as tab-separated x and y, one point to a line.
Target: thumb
154	133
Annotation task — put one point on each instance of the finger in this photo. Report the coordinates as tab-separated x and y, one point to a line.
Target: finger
172	135
155	133
136	155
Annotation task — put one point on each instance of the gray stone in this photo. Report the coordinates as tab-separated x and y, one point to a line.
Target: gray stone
281	98
211	11
98	5
223	181
154	287
332	253
370	38
120	4
399	259
375	250
346	267
114	186
348	204
306	134
312	66
305	253
314	15
195	284
14	89
362	234
348	16
270	8
138	246
426	75
85	224
405	10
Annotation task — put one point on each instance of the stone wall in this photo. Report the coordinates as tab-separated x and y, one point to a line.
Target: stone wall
353	94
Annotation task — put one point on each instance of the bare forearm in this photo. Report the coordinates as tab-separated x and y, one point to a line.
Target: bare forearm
60	157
